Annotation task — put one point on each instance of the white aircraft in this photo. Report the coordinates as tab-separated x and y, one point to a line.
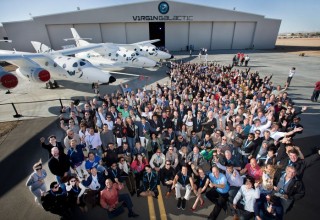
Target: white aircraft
39	67
147	49
110	55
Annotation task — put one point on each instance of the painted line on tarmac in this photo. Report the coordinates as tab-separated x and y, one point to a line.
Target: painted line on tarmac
152	213
162	209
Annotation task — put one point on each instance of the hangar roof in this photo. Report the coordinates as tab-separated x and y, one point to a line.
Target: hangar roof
129	13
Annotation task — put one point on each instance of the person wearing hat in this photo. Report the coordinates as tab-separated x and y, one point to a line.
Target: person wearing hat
36	182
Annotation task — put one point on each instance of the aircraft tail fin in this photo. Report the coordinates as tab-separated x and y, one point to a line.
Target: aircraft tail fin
76	37
40	47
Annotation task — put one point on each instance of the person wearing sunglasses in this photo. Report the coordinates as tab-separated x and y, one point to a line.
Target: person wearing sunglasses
55	201
76	191
36	182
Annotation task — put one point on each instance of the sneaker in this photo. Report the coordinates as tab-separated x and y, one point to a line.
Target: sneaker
183	204
179	203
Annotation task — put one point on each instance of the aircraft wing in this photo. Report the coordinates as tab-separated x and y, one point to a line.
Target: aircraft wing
21	59
141	43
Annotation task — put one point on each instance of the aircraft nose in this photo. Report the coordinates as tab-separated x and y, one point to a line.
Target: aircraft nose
112	79
171	57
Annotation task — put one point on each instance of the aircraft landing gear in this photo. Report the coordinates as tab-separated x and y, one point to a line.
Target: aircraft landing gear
52	85
8	92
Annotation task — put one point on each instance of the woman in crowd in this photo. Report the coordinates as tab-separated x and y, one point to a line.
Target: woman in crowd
201	183
137	166
36	182
76	191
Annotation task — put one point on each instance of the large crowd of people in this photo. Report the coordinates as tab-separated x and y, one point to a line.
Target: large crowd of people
214	130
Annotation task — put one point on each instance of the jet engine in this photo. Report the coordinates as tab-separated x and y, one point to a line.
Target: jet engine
7	80
34	74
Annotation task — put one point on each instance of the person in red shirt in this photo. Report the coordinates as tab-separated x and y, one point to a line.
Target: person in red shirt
316	92
253	169
110	198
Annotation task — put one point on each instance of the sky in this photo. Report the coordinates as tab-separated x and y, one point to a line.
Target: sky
296	16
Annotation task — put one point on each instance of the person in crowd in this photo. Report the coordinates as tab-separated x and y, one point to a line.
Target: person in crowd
218	194
70	135
59	165
52	143
288	187
127	174
114	173
269	208
93	142
94	161
95	182
76	191
183	181
36	183
137	166
110	198
172	156
316	92
201	184
167	174
110	156
76	157
292	72
153	145
55	201
106	137
248	194
149	183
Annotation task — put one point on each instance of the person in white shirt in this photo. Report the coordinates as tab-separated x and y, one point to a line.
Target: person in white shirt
292	71
249	193
93	142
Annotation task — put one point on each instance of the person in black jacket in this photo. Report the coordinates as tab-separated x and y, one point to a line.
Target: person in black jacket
167	174
55	201
247	148
288	187
299	164
59	165
52	143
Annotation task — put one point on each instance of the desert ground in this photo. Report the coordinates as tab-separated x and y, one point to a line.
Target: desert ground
308	46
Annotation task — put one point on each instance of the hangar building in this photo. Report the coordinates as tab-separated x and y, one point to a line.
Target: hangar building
177	24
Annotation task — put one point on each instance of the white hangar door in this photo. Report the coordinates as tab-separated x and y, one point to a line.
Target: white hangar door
176	35
113	33
137	32
243	35
89	31
200	34
222	34
57	33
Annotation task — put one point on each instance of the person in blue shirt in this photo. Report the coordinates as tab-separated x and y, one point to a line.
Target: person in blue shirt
94	161
219	192
76	157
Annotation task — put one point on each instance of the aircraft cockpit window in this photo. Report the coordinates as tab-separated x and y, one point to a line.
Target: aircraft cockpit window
55	65
147	50
83	60
75	65
109	54
117	55
137	54
153	49
64	66
135	49
140	49
82	63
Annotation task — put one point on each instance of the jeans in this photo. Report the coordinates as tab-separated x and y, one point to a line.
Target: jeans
220	201
125	198
131	143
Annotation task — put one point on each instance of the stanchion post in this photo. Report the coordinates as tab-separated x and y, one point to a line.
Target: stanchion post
61	103
15	110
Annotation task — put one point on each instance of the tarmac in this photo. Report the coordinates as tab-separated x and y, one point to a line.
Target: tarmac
20	148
